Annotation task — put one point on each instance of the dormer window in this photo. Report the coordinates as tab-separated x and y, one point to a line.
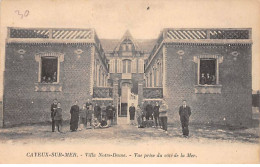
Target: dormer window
123	47
129	47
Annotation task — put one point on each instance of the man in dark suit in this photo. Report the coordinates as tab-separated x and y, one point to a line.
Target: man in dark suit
185	113
53	110
149	111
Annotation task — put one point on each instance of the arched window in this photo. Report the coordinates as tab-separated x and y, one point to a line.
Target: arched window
126	66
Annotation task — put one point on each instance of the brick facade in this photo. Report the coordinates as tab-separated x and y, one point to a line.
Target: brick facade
231	106
227	102
171	73
22	104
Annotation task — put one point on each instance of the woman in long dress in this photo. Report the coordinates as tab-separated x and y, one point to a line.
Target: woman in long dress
74	111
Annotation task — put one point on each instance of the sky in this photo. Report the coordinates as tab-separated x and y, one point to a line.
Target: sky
144	18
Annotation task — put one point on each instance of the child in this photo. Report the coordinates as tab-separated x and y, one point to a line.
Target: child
96	123
103	123
58	117
82	117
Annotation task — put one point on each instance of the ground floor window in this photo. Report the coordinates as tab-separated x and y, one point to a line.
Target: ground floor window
49	69
207	75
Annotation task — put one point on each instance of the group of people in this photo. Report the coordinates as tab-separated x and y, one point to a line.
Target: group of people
103	116
207	79
96	117
158	113
49	79
149	112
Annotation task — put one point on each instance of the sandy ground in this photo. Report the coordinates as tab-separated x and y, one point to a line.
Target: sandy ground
206	144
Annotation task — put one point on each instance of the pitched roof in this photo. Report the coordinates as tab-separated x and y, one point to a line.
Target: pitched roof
145	45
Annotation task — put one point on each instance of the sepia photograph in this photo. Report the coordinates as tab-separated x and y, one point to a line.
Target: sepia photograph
129	82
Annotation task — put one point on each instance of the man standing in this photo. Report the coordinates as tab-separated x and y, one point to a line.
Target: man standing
110	113
90	113
185	113
149	111
82	117
139	116
97	112
142	107
164	116
58	117
74	111
114	114
156	114
132	113
53	110
88	103
103	111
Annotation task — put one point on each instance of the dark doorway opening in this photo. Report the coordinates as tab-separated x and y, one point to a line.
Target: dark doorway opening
123	110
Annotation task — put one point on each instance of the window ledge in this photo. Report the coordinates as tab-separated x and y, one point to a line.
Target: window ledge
208	89
47	87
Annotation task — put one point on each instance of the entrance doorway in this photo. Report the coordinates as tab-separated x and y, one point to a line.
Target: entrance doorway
124	107
125	90
126	100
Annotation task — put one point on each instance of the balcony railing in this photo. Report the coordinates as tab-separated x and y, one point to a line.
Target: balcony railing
102	92
152	93
51	33
198	35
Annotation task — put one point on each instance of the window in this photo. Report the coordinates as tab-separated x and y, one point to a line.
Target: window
151	79
207	74
123	47
126	66
129	47
155	77
49	69
141	66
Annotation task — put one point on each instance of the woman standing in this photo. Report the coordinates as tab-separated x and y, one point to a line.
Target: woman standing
74	111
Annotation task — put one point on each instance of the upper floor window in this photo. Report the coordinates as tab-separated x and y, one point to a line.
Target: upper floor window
49	69
126	66
123	47
207	72
129	47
